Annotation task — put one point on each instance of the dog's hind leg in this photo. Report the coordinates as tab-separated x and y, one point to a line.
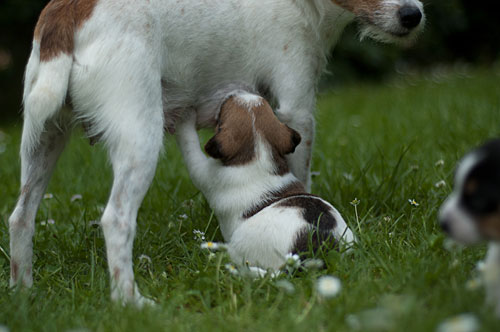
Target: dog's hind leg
133	136
37	163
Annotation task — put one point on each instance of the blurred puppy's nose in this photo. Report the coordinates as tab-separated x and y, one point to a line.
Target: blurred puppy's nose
410	16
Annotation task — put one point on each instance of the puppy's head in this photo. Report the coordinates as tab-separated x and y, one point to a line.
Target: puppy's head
246	120
393	21
472	212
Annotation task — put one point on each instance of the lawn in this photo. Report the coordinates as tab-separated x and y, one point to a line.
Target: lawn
382	144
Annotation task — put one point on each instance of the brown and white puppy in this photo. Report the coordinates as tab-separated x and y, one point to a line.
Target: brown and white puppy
471	214
263	210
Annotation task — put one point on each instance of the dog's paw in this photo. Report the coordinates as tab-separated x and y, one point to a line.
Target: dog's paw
140	302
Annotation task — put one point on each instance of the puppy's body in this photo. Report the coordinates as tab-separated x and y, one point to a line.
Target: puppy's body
263	210
472	212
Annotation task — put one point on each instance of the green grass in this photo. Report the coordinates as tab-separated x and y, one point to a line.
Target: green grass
376	142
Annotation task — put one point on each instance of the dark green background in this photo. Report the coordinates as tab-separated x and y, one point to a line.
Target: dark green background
457	31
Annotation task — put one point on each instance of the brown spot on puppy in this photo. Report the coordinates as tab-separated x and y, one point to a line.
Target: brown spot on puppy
313	240
233	142
314	211
293	189
282	139
58	22
490	226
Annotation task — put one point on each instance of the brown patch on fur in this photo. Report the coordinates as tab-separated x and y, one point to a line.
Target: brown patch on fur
293	189
116	273
470	186
281	138
490	226
58	22
234	141
360	8
14	270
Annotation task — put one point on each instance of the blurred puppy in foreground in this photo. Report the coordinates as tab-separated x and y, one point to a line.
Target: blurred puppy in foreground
263	210
471	214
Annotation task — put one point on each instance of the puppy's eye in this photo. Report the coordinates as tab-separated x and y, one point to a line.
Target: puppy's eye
481	200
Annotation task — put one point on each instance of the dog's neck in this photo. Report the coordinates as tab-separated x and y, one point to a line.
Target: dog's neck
327	20
243	188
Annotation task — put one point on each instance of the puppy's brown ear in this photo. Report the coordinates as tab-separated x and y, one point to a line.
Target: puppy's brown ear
294	140
213	148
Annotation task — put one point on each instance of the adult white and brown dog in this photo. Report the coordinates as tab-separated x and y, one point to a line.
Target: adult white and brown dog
123	64
264	211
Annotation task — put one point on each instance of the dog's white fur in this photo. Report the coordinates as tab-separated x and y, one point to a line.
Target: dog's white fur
134	60
265	238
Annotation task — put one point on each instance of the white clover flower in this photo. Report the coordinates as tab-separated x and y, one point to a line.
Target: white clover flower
43	223
328	286
51	221
183	216
440	184
355	202
313	264
48	196
145	258
413	202
76	197
473	284
213	246
286	286
387	218
439	163
292	260
232	269
199	235
461	323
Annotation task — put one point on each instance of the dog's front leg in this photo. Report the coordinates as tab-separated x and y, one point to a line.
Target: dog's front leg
298	114
189	144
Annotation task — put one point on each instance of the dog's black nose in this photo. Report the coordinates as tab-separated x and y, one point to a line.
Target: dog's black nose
445	226
410	16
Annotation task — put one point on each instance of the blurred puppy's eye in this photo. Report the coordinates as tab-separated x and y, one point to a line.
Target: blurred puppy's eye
481	200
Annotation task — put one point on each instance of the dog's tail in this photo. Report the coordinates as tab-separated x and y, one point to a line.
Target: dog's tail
45	88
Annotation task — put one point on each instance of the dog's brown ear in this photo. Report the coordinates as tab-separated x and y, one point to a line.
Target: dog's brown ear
213	148
295	140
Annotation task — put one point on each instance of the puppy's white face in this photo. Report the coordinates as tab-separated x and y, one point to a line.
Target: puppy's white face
392	21
472	212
